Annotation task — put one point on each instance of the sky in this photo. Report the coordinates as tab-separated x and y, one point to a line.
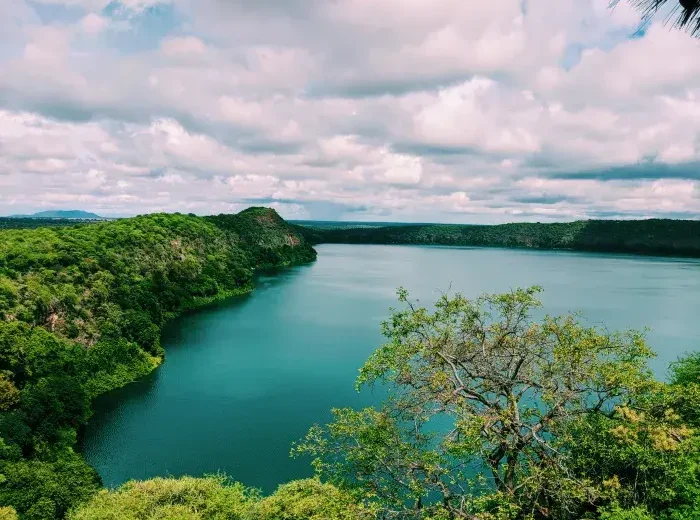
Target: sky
378	110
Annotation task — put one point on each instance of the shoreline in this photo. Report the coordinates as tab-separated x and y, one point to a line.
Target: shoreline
201	304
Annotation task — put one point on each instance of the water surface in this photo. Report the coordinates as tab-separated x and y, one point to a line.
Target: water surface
244	379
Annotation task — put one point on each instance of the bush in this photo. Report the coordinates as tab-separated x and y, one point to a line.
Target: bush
218	498
309	500
187	498
41	490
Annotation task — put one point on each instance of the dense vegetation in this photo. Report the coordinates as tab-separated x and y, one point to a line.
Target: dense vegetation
217	498
347	224
654	236
492	413
80	314
34	222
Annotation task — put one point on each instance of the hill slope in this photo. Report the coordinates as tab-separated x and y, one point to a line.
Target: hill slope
655	236
80	314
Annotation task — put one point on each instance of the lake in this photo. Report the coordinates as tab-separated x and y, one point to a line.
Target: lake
244	379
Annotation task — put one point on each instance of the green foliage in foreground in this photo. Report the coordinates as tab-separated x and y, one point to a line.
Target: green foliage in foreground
494	415
80	314
217	498
654	236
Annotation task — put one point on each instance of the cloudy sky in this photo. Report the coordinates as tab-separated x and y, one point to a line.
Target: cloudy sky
403	110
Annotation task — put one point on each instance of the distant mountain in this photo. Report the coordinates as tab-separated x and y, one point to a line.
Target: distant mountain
69	214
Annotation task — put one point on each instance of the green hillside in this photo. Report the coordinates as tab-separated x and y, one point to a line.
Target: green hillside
80	314
549	418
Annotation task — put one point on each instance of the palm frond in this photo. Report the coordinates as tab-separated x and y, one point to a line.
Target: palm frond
684	14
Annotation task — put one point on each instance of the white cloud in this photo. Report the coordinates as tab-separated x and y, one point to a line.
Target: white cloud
93	24
183	46
480	114
401	169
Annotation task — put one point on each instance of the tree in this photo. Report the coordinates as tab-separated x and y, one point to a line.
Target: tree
646	454
40	490
481	401
8	513
309	500
645	457
686	371
9	395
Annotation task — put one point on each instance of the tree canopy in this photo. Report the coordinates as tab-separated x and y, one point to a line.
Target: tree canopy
495	410
81	309
496	414
653	236
218	498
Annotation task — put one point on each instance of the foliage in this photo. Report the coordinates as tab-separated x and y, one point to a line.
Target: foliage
40	489
259	231
615	513
309	500
8	513
493	414
9	395
686	370
34	222
647	454
644	457
684	14
654	236
217	498
212	498
81	309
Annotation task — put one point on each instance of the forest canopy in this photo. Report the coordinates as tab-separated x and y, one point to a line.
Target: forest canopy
665	237
81	309
495	411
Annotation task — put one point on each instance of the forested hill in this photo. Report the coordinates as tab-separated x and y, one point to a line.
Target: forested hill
80	313
654	236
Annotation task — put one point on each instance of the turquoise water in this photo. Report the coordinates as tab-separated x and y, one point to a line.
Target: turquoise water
246	378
